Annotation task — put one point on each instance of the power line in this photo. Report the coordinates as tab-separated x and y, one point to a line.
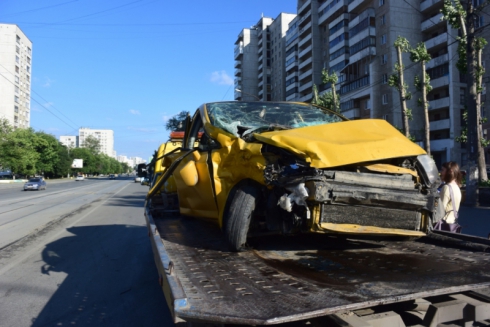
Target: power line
38	9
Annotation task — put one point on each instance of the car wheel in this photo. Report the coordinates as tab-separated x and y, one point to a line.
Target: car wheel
238	215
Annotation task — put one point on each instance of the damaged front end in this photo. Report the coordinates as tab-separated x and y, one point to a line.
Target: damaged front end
388	197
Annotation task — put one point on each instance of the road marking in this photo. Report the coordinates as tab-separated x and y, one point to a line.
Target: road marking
35	248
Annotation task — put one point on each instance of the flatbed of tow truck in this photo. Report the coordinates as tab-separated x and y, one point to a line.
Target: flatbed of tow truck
283	279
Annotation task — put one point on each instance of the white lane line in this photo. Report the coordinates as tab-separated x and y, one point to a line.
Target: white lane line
40	245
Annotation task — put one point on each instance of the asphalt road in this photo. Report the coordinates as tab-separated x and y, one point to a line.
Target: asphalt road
78	254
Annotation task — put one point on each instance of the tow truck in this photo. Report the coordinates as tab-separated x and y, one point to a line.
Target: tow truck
441	279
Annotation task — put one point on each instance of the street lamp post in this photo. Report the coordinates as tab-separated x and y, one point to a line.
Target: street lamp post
238	90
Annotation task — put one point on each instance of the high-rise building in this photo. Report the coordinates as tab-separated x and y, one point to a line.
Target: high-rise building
70	141
105	137
15	75
354	39
259	60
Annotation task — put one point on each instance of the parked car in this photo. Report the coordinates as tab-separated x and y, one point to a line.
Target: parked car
137	179
36	183
111	176
284	167
79	178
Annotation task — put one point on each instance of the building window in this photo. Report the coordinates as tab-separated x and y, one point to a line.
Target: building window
16	99
384	78
29	60
368	104
383	20
16	79
384	99
383	39
384	59
16	109
18	39
17	59
28	68
17	49
16	69
381	2
28	51
28	77
16	89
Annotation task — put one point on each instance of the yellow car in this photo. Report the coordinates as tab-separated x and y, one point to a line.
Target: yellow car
285	167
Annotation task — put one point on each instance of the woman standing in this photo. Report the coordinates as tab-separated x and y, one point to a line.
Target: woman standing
451	176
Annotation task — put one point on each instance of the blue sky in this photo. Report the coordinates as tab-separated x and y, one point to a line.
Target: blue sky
129	65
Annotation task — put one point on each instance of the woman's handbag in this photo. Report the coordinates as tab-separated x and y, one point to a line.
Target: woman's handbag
443	225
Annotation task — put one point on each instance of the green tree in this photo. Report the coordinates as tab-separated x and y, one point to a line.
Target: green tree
46	146
176	123
89	160
18	152
329	99
93	144
462	15
63	165
397	81
420	54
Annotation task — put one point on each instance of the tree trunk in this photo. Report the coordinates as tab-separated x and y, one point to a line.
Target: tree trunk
479	130
401	88
426	111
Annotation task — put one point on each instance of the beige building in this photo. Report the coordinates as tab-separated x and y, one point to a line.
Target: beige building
259	60
105	137
15	75
70	141
354	39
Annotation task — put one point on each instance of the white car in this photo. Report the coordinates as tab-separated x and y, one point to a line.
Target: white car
79	178
137	179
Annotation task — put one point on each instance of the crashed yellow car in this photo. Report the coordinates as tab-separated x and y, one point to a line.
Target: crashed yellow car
285	167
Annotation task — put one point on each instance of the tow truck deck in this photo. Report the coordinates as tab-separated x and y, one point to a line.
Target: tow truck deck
283	279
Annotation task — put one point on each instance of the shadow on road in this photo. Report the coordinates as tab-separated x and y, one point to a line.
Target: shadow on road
111	279
137	200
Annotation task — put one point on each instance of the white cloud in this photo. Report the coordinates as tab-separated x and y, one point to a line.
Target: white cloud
134	112
221	78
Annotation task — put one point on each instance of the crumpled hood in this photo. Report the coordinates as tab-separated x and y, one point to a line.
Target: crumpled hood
344	143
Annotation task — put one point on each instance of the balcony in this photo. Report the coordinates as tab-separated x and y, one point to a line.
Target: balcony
259	44
352	113
305	51
439	82
432	22
292	86
355	4
306	74
303	41
261	83
307	28
238	51
304	63
439	103
325	11
368	31
304	7
335	61
440	124
238	64
428	4
305	86
260	75
292	97
260	67
434	62
306	98
435	41
238	72
441	145
367	52
291	75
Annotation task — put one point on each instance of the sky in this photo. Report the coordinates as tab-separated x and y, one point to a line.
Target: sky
130	65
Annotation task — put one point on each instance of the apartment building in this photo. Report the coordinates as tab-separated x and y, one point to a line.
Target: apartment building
15	75
259	60
70	141
105	137
354	39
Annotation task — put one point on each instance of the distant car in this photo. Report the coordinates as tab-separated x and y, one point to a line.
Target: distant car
137	179
37	183
111	176
79	178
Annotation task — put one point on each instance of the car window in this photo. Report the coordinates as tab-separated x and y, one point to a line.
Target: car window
34	180
232	115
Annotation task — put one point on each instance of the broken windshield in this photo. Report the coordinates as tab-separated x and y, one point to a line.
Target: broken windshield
254	116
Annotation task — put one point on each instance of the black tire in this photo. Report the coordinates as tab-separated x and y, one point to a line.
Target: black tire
238	215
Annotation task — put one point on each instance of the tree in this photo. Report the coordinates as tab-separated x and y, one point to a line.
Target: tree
420	54
18	152
396	80
176	123
328	99
46	146
63	165
469	64
93	144
89	160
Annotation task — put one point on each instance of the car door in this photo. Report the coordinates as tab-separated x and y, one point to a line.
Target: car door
193	175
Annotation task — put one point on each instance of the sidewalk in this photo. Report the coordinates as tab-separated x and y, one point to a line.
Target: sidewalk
475	220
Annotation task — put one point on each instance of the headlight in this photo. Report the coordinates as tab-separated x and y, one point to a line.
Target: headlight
428	169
